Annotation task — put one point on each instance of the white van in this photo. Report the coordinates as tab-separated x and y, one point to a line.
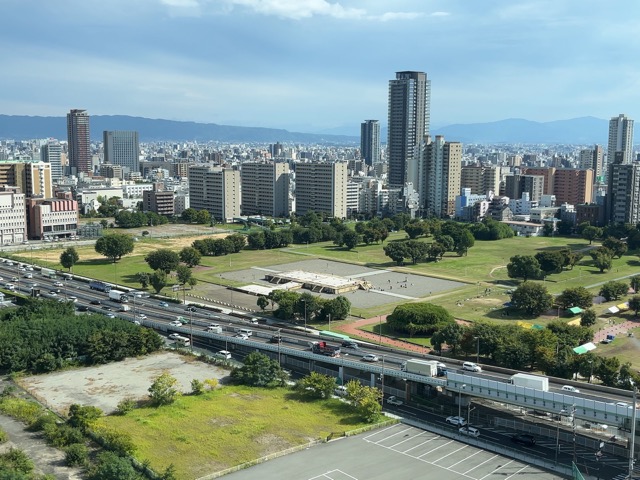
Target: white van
569	388
182	341
245	331
471	367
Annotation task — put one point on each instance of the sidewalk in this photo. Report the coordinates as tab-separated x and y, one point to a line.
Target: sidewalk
354	329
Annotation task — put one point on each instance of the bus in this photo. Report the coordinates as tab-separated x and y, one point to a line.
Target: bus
329	333
182	341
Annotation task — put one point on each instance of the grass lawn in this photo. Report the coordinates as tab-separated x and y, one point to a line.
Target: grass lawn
229	426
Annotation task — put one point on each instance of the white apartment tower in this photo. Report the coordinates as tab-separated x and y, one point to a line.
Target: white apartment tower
265	188
442	164
620	140
215	189
13	216
122	147
322	188
51	153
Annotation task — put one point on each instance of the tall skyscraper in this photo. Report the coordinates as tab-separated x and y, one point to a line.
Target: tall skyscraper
215	189
322	188
620	139
121	147
409	106
79	141
370	141
51	153
442	171
623	193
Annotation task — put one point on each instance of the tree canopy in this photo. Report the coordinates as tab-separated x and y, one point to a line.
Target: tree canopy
524	266
420	318
162	259
259	371
532	298
114	246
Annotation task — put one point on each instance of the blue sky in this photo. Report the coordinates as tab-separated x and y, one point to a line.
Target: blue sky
316	65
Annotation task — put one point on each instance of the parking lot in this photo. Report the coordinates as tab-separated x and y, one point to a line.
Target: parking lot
396	452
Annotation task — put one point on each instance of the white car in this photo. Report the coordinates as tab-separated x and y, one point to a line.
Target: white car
73	299
472	432
241	336
457	421
141	316
164	304
58	284
174	336
111	315
340	391
224	354
175	323
370	357
393	400
471	367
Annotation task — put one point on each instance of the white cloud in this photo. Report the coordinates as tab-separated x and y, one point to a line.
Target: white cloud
299	9
181	3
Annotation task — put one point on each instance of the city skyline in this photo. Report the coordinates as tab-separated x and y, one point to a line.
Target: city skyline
302	66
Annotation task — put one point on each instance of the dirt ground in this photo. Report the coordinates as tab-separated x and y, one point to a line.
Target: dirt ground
105	386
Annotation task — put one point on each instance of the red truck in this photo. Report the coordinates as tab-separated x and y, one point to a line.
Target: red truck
323	348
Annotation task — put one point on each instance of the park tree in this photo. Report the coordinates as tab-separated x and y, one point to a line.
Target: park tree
69	258
570	257
416	250
570	335
316	385
158	280
550	262
575	297
336	309
416	228
396	251
237	242
350	239
617	247
586	364
418	318
185	275
588	317
523	266
143	279
190	256
628	377
608	370
613	290
114	246
512	353
259	371
464	242
110	466
203	217
163	390
602	258
366	400
634	282
532	298
163	259
450	334
591	233
634	304
262	302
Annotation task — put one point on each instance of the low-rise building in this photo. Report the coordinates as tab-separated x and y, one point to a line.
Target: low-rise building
53	217
13	221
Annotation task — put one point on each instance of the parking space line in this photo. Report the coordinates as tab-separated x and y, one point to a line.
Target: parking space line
455	451
465	458
419	445
443	445
406	440
494	471
327	475
488	460
379	432
523	468
395	434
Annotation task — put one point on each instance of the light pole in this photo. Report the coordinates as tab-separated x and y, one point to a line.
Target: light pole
305	314
573	427
633	431
591	370
460	399
382	397
477	349
329	321
379	330
279	342
191	329
558	437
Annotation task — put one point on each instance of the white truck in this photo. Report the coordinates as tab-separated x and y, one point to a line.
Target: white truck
118	296
530	381
421	367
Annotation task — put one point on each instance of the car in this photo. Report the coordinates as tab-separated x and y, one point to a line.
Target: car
213	325
524	439
224	354
55	290
275	339
370	357
29	269
350	344
623	405
111	315
340	391
607	341
457	421
15	279
1	279
241	336
570	388
53	293
107	308
58	284
393	400
82	308
470	431
174	336
253	320
72	298
141	316
175	323
190	308
163	304
22	269
95	302
471	367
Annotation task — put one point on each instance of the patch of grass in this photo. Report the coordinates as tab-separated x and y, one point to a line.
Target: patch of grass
623	347
229	426
20	409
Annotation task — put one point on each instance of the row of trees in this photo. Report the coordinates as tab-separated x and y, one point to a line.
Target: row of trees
292	305
542	264
44	335
129	219
220	246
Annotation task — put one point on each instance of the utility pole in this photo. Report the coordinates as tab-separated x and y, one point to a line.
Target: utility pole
633	431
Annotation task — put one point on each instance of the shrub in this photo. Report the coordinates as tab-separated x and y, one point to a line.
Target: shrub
126	405
212	383
62	435
76	454
40	422
3	436
197	387
118	442
20	409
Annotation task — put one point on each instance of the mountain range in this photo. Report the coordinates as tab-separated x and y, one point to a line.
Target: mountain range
582	131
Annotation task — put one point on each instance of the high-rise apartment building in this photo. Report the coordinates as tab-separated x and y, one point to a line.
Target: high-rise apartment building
620	139
13	218
517	184
547	173
592	159
215	189
573	185
408	123
51	153
33	178
480	179
370	141
623	193
265	188
442	170
322	188
79	142
122	147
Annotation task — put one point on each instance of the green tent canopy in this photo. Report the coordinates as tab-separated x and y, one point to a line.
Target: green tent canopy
575	310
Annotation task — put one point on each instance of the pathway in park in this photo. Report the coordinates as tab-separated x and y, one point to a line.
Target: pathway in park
355	329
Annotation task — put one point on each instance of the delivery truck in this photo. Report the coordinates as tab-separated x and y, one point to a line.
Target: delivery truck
530	381
421	367
118	296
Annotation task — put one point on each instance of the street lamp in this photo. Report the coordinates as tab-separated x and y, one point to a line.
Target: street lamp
591	372
633	430
382	379
329	321
191	328
477	349
460	399
379	330
279	342
305	314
